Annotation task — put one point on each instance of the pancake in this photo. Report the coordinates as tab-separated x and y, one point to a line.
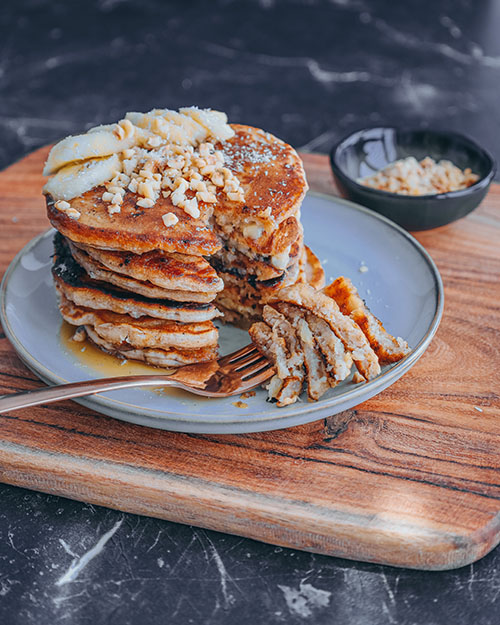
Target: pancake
169	271
97	271
273	182
282	387
134	229
73	282
171	357
145	332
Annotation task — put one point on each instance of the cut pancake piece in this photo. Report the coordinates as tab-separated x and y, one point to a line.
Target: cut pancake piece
275	351
318	379
142	332
348	332
388	348
99	272
180	272
75	284
283	329
337	360
277	340
170	357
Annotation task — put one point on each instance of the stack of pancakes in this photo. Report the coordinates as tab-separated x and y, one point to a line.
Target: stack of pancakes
136	318
149	289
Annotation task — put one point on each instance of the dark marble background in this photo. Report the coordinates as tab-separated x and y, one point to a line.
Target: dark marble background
309	72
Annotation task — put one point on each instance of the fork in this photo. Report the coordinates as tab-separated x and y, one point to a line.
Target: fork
230	375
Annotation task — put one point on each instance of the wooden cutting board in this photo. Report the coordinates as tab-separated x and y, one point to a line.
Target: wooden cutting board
410	478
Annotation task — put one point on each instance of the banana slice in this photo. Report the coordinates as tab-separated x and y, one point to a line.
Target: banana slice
96	144
73	180
215	122
170	125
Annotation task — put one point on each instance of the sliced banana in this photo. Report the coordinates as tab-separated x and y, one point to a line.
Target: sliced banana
215	122
169	125
73	180
94	144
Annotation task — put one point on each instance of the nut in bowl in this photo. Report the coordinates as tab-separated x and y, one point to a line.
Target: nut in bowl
365	153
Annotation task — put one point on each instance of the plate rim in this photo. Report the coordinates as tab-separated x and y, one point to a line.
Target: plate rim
158	418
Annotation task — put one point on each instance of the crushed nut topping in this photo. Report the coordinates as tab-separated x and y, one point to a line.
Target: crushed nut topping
187	174
169	219
65	207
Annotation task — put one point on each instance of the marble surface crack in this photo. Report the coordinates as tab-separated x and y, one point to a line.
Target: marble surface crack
80	563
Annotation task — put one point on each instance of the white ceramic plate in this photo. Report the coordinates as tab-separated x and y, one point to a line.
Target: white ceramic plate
402	287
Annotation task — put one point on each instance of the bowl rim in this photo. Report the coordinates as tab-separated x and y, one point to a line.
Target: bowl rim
482	183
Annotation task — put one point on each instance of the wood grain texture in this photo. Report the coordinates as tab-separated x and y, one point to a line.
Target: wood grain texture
409	478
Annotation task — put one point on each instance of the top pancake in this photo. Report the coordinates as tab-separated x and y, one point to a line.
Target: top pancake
273	181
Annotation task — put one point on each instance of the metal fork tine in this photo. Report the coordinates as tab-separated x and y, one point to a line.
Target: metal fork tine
241	353
258	379
255	368
245	362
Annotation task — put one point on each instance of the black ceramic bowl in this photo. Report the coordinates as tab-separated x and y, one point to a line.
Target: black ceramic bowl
367	151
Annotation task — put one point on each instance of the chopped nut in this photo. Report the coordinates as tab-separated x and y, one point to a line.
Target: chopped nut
191	208
145	202
205	196
114	208
154	142
198	185
67	209
116	189
61	205
145	189
73	213
236	197
218	179
169	219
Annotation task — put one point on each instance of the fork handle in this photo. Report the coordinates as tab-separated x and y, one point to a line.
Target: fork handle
50	394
